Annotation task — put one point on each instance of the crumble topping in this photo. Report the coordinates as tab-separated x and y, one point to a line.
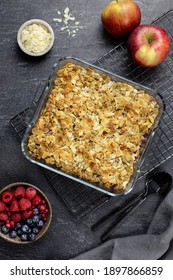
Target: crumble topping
93	127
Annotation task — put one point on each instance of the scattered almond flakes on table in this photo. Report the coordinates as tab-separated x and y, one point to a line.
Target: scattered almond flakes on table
67	22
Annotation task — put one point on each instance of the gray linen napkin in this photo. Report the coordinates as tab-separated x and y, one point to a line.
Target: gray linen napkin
154	244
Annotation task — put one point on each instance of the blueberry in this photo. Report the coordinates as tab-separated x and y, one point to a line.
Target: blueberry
29	230
25	228
13	233
5	229
19	232
29	221
35	230
40	224
32	225
36	210
35	219
18	225
24	237
31	236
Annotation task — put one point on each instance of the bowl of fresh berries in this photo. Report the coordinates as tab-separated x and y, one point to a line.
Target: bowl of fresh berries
25	213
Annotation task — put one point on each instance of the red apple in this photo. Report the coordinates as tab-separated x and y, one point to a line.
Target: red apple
149	44
121	17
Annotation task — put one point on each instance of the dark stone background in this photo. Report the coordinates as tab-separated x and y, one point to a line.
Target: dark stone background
19	78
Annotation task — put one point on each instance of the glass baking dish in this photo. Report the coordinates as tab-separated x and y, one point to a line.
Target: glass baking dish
41	104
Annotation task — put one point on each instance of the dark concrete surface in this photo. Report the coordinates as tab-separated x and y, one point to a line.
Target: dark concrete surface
19	78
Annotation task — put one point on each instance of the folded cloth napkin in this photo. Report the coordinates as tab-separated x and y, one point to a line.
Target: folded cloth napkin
154	244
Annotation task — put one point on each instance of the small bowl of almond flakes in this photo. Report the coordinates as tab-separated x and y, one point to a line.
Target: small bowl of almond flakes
35	37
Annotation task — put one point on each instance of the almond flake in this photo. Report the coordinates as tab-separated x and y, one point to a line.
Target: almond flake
65	21
67	17
57	19
66	11
64	27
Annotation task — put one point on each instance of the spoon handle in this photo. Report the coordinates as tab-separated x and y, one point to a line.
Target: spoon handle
126	213
99	224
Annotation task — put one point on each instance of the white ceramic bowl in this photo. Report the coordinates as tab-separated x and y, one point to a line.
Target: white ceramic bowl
30	22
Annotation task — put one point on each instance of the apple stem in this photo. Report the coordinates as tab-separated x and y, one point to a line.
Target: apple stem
150	40
118	1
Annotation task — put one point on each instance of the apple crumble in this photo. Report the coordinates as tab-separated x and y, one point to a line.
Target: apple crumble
93	127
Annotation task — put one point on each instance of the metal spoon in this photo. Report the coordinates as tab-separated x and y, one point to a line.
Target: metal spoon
158	183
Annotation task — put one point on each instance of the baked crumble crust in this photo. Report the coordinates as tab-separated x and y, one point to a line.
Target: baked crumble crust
93	127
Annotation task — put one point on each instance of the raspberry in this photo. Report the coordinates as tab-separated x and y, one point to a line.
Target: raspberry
27	214
14	207
2	206
19	192
12	224
16	217
7	196
36	200
24	203
3	217
30	193
42	208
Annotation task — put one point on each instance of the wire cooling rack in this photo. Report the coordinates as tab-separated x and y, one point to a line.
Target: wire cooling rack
80	199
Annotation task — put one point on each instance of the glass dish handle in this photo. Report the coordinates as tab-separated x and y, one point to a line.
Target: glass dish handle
39	91
41	86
